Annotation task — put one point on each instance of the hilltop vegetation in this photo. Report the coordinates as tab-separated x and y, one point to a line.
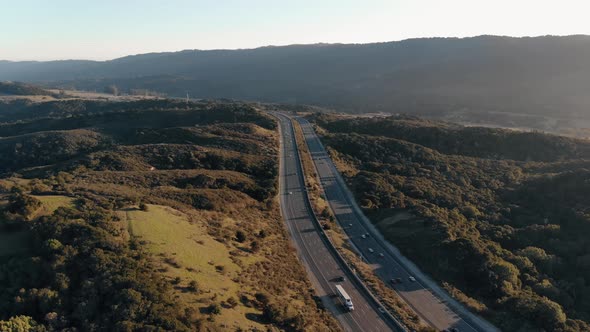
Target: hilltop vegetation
114	202
22	89
452	139
515	82
498	217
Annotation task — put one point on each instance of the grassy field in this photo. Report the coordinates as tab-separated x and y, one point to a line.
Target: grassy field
184	250
52	202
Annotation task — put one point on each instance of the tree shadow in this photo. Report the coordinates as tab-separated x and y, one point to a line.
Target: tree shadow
258	318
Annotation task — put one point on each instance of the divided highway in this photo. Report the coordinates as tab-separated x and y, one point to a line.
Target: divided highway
440	311
321	262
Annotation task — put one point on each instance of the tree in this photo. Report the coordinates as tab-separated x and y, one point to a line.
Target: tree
232	302
193	286
52	245
240	236
20	324
325	213
470	211
215	309
112	89
544	312
143	207
272	313
254	246
21	203
503	277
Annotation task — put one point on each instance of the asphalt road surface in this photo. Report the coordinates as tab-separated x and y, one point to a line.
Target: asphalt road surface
322	265
387	262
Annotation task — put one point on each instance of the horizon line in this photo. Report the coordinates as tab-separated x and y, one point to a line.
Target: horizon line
288	45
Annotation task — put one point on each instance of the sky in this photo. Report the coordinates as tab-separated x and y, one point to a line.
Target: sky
107	29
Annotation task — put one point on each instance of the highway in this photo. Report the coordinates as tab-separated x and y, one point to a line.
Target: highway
320	261
440	310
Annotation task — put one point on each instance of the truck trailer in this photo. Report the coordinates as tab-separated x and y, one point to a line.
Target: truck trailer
345	298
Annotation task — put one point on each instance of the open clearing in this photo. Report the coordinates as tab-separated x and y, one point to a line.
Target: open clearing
186	251
52	202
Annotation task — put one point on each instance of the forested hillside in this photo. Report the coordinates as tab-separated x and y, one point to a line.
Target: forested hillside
540	82
145	216
21	89
500	218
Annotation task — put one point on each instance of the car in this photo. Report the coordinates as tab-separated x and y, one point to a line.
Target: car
341	279
350	225
393	281
290	193
381	255
412	279
399	280
364	236
371	250
454	329
367	235
381	310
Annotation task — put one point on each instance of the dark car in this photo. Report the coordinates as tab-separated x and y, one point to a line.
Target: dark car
399	280
341	279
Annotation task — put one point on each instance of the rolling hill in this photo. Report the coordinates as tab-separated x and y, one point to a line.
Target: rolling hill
21	89
145	215
498	217
519	80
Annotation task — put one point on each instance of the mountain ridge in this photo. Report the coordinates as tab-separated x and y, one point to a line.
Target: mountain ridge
532	75
318	44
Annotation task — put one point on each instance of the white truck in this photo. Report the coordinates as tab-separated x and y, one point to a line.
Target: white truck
345	297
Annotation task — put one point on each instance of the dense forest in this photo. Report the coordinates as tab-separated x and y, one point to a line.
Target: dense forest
145	216
498	217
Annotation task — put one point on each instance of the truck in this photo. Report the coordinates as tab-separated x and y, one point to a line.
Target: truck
345	298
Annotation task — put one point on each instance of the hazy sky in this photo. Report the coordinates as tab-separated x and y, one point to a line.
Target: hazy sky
106	29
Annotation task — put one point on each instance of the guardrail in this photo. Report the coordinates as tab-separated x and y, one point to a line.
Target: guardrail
349	271
431	285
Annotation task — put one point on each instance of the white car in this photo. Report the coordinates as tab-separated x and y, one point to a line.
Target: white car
412	279
364	236
371	250
290	193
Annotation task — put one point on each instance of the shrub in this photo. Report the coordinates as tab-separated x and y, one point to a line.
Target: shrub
240	236
232	302
193	286
143	207
214	309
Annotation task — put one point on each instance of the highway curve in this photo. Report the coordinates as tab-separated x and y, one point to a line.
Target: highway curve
429	301
322	265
